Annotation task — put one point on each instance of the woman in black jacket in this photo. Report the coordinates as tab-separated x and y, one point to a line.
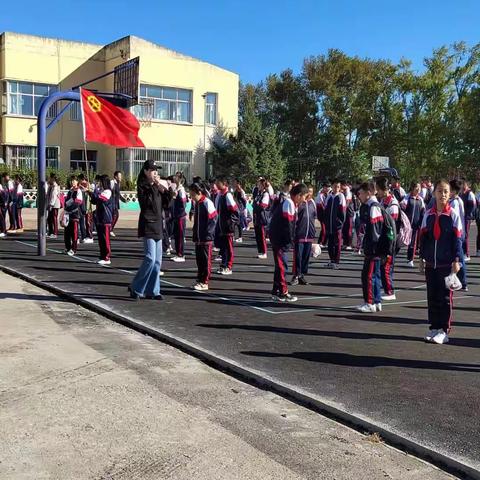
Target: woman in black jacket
152	197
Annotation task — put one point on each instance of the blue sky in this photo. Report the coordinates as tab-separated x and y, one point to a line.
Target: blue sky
255	38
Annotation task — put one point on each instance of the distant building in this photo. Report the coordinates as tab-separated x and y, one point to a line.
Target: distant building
172	85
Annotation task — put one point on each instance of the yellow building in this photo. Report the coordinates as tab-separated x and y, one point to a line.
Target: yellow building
185	101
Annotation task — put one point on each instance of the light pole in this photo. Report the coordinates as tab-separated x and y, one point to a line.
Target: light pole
204	96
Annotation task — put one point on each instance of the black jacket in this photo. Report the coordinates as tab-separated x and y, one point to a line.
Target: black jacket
305	225
371	216
227	213
152	203
73	203
105	205
204	221
282	224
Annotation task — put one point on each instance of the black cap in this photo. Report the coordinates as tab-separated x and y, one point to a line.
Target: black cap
151	165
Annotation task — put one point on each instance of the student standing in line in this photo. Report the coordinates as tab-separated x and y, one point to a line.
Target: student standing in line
321	202
335	212
3	210
179	215
347	229
477	221
227	219
73	204
397	190
18	208
282	237
305	235
414	208
103	199
202	234
261	204
287	188
153	197
241	200
117	198
86	234
457	204
372	218
392	207
440	254
9	186
53	205
470	204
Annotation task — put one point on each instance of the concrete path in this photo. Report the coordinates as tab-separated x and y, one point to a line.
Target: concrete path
84	398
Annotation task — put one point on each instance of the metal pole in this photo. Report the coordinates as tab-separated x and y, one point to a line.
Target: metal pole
42	165
205	134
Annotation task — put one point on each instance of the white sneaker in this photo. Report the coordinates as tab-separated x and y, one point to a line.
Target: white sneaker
215	249
71	253
88	240
467	258
367	308
168	252
262	256
348	249
3	235
378	307
218	258
178	259
335	266
112	234
410	264
104	262
430	334
224	271
162	273
239	240
200	287
387	298
441	337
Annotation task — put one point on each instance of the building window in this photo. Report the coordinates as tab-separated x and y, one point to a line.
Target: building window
211	108
130	161
22	156
169	104
25	99
77	160
75	111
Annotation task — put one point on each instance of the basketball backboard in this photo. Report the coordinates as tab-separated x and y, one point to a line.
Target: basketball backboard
125	81
379	163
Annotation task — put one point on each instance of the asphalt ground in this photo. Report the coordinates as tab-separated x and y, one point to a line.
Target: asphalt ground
373	367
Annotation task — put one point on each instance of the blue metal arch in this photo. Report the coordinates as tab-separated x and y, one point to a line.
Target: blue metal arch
42	164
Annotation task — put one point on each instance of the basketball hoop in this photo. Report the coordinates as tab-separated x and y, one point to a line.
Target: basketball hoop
145	111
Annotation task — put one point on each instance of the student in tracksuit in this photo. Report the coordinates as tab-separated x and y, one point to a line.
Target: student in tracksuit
321	202
282	237
11	203
470	204
202	234
117	198
391	206
103	198
85	221
440	251
347	229
18	208
305	235
241	200
457	204
477	221
414	207
261	205
3	210
227	219
73	203
335	212
372	218
53	206
179	215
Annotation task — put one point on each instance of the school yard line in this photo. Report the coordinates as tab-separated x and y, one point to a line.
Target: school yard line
161	280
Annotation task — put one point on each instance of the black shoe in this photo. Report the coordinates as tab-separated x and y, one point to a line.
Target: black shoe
302	281
294	281
155	297
133	295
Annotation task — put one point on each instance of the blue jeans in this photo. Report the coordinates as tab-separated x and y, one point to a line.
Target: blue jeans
147	279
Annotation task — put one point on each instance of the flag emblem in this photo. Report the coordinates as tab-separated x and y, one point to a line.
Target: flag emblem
94	104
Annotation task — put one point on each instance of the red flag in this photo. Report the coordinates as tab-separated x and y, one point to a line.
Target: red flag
103	122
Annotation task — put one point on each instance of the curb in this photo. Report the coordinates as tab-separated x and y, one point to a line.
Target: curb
258	379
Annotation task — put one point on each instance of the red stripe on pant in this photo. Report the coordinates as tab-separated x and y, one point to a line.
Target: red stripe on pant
108	252
264	239
55	221
281	268
75	236
370	282
339	247
209	268
231	255
388	275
